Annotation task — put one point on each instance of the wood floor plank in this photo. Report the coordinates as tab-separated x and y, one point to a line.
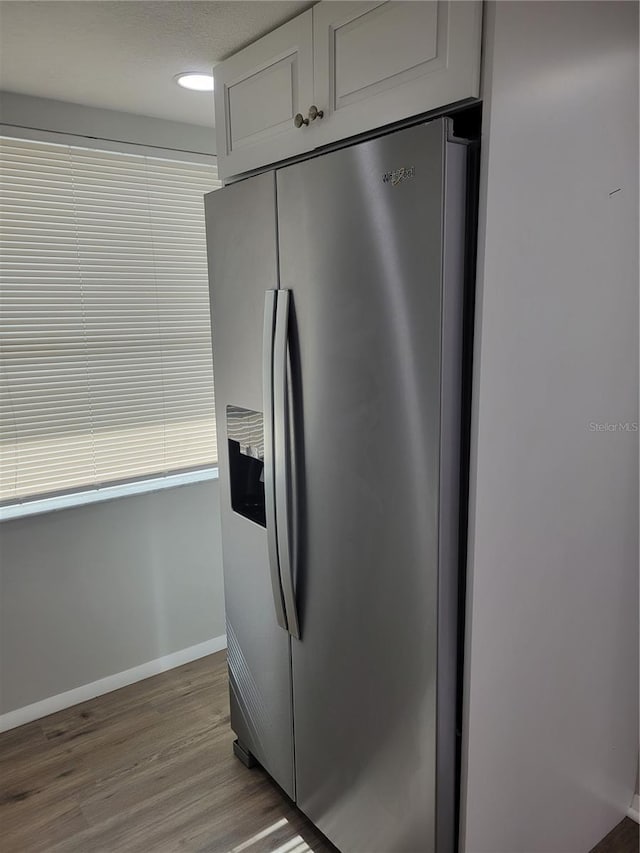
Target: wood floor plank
20	746
150	769
624	838
145	769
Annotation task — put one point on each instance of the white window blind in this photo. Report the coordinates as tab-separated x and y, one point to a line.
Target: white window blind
105	344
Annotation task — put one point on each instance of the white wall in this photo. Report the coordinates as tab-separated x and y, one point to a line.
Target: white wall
552	680
89	592
24	113
95	590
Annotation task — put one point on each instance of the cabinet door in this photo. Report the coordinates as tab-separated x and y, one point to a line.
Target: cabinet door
258	91
380	62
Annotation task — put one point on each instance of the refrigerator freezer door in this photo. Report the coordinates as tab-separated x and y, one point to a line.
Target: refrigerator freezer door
361	235
242	251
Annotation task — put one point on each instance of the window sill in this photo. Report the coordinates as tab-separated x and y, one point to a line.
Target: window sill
106	493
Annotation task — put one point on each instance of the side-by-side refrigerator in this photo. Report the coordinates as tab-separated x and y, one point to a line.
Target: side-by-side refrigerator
337	318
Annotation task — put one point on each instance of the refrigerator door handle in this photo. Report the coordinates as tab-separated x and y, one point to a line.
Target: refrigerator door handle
269	454
282	445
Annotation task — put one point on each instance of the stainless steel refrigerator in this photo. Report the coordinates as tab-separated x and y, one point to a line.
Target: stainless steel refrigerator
337	303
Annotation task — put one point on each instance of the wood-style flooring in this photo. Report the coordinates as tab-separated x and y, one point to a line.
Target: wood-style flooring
145	769
150	769
624	838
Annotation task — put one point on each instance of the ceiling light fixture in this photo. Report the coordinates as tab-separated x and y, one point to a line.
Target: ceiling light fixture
195	80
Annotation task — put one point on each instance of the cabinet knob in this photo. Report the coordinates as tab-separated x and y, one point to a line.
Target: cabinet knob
315	113
300	121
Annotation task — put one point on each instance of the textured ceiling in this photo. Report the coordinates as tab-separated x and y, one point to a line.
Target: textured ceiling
124	55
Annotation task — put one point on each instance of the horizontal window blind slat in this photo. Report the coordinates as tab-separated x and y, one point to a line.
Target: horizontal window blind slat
48	460
46	243
55	376
92	445
99	415
105	341
54	480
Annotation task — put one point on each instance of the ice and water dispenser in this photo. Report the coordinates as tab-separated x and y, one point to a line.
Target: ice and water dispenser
245	435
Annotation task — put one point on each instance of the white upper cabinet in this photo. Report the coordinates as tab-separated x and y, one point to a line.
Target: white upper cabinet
362	65
378	63
258	93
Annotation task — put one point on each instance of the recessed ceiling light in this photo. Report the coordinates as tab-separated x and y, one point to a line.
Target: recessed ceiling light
195	80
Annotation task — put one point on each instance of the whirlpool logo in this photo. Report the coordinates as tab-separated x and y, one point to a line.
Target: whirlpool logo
397	176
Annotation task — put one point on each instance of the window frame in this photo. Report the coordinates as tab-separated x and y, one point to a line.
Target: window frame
147	484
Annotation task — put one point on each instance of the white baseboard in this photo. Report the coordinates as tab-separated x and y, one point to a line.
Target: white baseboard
20	716
634	809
